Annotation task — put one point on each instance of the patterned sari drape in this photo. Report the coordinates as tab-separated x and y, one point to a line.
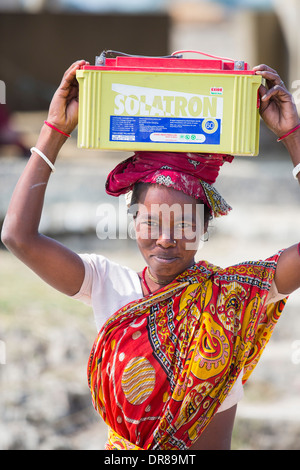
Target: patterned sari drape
161	366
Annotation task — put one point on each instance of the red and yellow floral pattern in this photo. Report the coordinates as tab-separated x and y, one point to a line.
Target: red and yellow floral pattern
161	366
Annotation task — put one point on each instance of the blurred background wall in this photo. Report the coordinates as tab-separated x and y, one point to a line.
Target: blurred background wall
39	38
36	48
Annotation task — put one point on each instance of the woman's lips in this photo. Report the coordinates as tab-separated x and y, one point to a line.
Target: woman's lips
164	259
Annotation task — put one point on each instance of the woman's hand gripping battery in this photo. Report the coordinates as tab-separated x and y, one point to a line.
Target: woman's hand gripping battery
63	110
277	107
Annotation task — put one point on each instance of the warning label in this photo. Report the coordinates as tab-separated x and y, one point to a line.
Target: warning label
171	130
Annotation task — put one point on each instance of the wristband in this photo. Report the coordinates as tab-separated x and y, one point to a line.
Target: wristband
296	170
34	149
55	128
288	133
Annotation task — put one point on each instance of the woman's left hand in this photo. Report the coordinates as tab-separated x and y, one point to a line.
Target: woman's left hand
277	107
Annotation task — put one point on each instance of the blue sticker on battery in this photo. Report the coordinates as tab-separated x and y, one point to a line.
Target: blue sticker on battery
165	130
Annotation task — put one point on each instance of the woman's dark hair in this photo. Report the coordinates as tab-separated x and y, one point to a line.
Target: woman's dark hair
135	199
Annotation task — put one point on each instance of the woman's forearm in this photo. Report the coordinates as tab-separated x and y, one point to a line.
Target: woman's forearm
23	217
24	212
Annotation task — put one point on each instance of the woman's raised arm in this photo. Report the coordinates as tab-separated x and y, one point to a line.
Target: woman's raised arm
53	262
279	112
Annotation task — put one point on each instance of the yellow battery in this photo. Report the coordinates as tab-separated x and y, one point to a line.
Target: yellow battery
169	104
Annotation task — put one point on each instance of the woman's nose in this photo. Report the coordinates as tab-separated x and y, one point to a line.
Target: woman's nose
166	240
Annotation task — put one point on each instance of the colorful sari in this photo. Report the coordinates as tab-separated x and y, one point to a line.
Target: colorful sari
161	366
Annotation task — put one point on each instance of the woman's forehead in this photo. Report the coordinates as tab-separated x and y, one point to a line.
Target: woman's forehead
158	194
175	211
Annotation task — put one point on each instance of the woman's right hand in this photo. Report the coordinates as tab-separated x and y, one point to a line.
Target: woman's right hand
63	110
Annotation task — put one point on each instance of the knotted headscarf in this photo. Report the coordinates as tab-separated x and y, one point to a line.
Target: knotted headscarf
191	173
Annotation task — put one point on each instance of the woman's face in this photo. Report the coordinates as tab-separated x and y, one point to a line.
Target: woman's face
169	225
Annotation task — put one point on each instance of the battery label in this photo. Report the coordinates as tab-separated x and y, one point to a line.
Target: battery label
143	114
165	130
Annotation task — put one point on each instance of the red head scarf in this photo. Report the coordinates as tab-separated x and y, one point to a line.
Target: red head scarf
191	173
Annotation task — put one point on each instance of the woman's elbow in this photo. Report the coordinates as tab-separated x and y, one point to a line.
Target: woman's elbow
13	239
6	238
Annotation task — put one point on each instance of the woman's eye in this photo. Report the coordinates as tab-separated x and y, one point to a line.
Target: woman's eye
149	223
184	225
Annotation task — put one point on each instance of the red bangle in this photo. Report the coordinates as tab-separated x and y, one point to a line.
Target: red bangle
55	128
288	133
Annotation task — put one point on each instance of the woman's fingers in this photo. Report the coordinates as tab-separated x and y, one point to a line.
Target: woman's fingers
72	69
63	110
264	67
275	85
272	77
277	107
277	90
70	74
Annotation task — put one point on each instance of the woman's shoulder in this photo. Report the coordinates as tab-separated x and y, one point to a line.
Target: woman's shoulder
104	266
246	271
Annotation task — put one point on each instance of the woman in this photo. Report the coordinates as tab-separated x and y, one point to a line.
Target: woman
177	340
